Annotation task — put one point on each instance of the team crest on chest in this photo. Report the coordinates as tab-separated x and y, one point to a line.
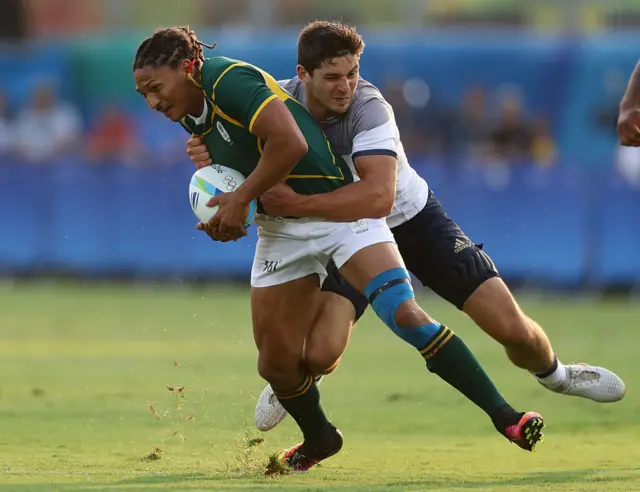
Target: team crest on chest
223	133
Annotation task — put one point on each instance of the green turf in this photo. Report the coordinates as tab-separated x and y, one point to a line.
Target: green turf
82	368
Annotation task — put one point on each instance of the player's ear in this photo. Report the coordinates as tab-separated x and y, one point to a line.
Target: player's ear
303	74
187	66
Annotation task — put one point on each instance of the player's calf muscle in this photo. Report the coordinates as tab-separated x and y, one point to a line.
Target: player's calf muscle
494	309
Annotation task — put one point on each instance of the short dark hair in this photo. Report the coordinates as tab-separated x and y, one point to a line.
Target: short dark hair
322	41
168	47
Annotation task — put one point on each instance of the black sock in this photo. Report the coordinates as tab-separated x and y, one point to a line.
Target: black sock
449	357
504	416
303	404
549	371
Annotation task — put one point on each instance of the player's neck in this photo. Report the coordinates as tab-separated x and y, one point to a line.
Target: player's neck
197	107
319	112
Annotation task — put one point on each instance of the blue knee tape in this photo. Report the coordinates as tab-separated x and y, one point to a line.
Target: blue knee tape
386	293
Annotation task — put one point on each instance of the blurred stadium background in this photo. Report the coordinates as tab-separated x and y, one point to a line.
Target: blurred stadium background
507	108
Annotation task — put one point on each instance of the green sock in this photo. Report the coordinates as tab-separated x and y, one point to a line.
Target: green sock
303	404
448	357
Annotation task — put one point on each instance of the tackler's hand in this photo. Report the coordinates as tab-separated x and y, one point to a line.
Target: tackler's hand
280	201
198	152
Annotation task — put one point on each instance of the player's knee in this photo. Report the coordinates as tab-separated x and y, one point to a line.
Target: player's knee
331	368
392	298
387	292
322	357
278	364
410	315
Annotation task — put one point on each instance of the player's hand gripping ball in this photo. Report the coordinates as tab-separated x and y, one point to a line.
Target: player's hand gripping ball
211	181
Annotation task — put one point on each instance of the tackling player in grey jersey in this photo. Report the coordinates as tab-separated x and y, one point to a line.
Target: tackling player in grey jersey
359	122
369	128
432	245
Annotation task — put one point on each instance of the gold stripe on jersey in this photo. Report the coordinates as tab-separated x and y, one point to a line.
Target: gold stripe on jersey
259	110
280	93
215	84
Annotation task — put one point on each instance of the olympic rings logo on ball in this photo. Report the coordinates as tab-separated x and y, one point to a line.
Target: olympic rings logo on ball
230	183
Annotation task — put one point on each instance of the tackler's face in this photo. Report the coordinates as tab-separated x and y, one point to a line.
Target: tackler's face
334	83
166	90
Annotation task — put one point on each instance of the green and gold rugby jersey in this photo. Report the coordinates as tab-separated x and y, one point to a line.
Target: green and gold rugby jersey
235	94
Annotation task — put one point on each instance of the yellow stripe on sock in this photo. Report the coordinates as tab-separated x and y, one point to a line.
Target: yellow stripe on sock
442	334
300	390
305	381
437	348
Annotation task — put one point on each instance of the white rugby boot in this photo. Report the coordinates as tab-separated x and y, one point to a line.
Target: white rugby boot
269	412
591	382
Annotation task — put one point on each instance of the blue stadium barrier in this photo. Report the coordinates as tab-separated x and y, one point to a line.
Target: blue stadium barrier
24	231
551	226
567	225
618	233
532	222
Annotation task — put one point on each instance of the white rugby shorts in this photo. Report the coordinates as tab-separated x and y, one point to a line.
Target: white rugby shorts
289	249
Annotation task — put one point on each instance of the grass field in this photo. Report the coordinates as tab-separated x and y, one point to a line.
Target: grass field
91	399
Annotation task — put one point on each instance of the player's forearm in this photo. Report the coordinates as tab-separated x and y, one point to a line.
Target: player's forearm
359	200
279	157
631	98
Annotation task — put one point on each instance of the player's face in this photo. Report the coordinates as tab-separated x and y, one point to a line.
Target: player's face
333	84
166	90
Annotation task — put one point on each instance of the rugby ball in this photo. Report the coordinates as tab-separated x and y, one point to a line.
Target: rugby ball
210	181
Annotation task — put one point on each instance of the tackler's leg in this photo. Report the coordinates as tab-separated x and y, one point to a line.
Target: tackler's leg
443	258
379	272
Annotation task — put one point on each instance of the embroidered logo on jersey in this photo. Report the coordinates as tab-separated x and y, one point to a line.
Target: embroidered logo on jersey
223	132
461	244
359	226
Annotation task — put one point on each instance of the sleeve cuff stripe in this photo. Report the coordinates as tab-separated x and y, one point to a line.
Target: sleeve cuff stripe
375	152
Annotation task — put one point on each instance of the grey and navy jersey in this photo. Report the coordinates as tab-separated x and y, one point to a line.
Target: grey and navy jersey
369	128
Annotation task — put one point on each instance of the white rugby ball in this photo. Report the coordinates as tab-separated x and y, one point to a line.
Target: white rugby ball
214	180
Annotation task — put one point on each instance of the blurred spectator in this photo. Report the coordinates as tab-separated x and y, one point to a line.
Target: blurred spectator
543	146
113	136
606	113
408	122
424	127
47	127
473	125
6	130
512	136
